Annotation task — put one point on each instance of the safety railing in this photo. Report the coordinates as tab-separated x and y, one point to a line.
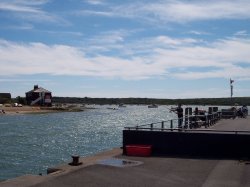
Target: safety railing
185	123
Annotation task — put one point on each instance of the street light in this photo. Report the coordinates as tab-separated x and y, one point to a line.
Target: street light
231	88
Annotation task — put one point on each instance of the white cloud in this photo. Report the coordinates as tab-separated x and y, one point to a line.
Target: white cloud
200	10
18	59
19	27
22	80
95	2
110	37
233	71
22	6
199	32
167	41
241	33
29	10
185	59
97	13
18	8
62	33
178	11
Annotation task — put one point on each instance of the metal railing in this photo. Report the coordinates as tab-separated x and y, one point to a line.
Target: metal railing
185	123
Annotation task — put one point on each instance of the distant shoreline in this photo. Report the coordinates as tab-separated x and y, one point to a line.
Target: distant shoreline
34	110
227	101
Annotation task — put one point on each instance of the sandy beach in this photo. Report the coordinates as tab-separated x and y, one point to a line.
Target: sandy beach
33	110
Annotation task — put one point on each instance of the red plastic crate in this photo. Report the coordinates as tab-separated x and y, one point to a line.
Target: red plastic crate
139	150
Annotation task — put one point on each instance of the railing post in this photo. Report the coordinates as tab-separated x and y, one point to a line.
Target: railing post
189	121
213	119
206	121
162	125
171	125
151	126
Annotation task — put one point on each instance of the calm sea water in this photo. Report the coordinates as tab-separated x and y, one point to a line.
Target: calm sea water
30	143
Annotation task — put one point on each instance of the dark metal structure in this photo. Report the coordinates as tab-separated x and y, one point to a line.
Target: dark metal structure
191	143
189	140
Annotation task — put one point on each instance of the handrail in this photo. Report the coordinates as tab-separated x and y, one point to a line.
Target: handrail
154	123
186	122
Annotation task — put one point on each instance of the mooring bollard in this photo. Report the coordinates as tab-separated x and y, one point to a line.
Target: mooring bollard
75	160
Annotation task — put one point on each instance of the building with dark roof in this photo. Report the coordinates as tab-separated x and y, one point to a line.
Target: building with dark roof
5	98
39	96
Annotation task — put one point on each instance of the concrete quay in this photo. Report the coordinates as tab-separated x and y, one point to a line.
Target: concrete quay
237	124
152	171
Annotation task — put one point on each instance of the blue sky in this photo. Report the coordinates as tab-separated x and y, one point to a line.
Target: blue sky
113	48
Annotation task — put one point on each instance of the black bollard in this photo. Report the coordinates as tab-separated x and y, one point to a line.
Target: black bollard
75	160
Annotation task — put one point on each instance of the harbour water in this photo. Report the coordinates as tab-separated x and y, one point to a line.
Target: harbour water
31	143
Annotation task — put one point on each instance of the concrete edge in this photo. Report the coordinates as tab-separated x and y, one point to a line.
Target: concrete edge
30	180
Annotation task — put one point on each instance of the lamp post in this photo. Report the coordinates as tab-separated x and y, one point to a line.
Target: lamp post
231	88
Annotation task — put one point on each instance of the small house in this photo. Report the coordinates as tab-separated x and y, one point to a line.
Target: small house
39	96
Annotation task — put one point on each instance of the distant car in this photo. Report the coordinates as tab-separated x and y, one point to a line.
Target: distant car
19	105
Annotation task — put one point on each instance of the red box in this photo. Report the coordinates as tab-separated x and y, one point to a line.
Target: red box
139	150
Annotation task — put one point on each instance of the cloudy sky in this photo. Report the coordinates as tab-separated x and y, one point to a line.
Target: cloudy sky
132	48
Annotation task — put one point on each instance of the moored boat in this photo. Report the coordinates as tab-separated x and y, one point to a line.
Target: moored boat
121	105
153	106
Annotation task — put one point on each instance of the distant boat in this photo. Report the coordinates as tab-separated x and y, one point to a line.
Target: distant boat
112	108
121	105
153	106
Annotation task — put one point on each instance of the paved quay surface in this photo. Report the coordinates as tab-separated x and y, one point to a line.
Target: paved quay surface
237	124
154	171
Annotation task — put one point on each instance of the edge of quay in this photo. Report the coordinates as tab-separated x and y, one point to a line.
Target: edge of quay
63	169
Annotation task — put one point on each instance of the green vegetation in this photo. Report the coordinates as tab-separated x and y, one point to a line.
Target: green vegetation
20	100
147	101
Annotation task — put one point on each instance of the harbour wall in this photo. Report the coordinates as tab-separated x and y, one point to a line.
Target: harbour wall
191	144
